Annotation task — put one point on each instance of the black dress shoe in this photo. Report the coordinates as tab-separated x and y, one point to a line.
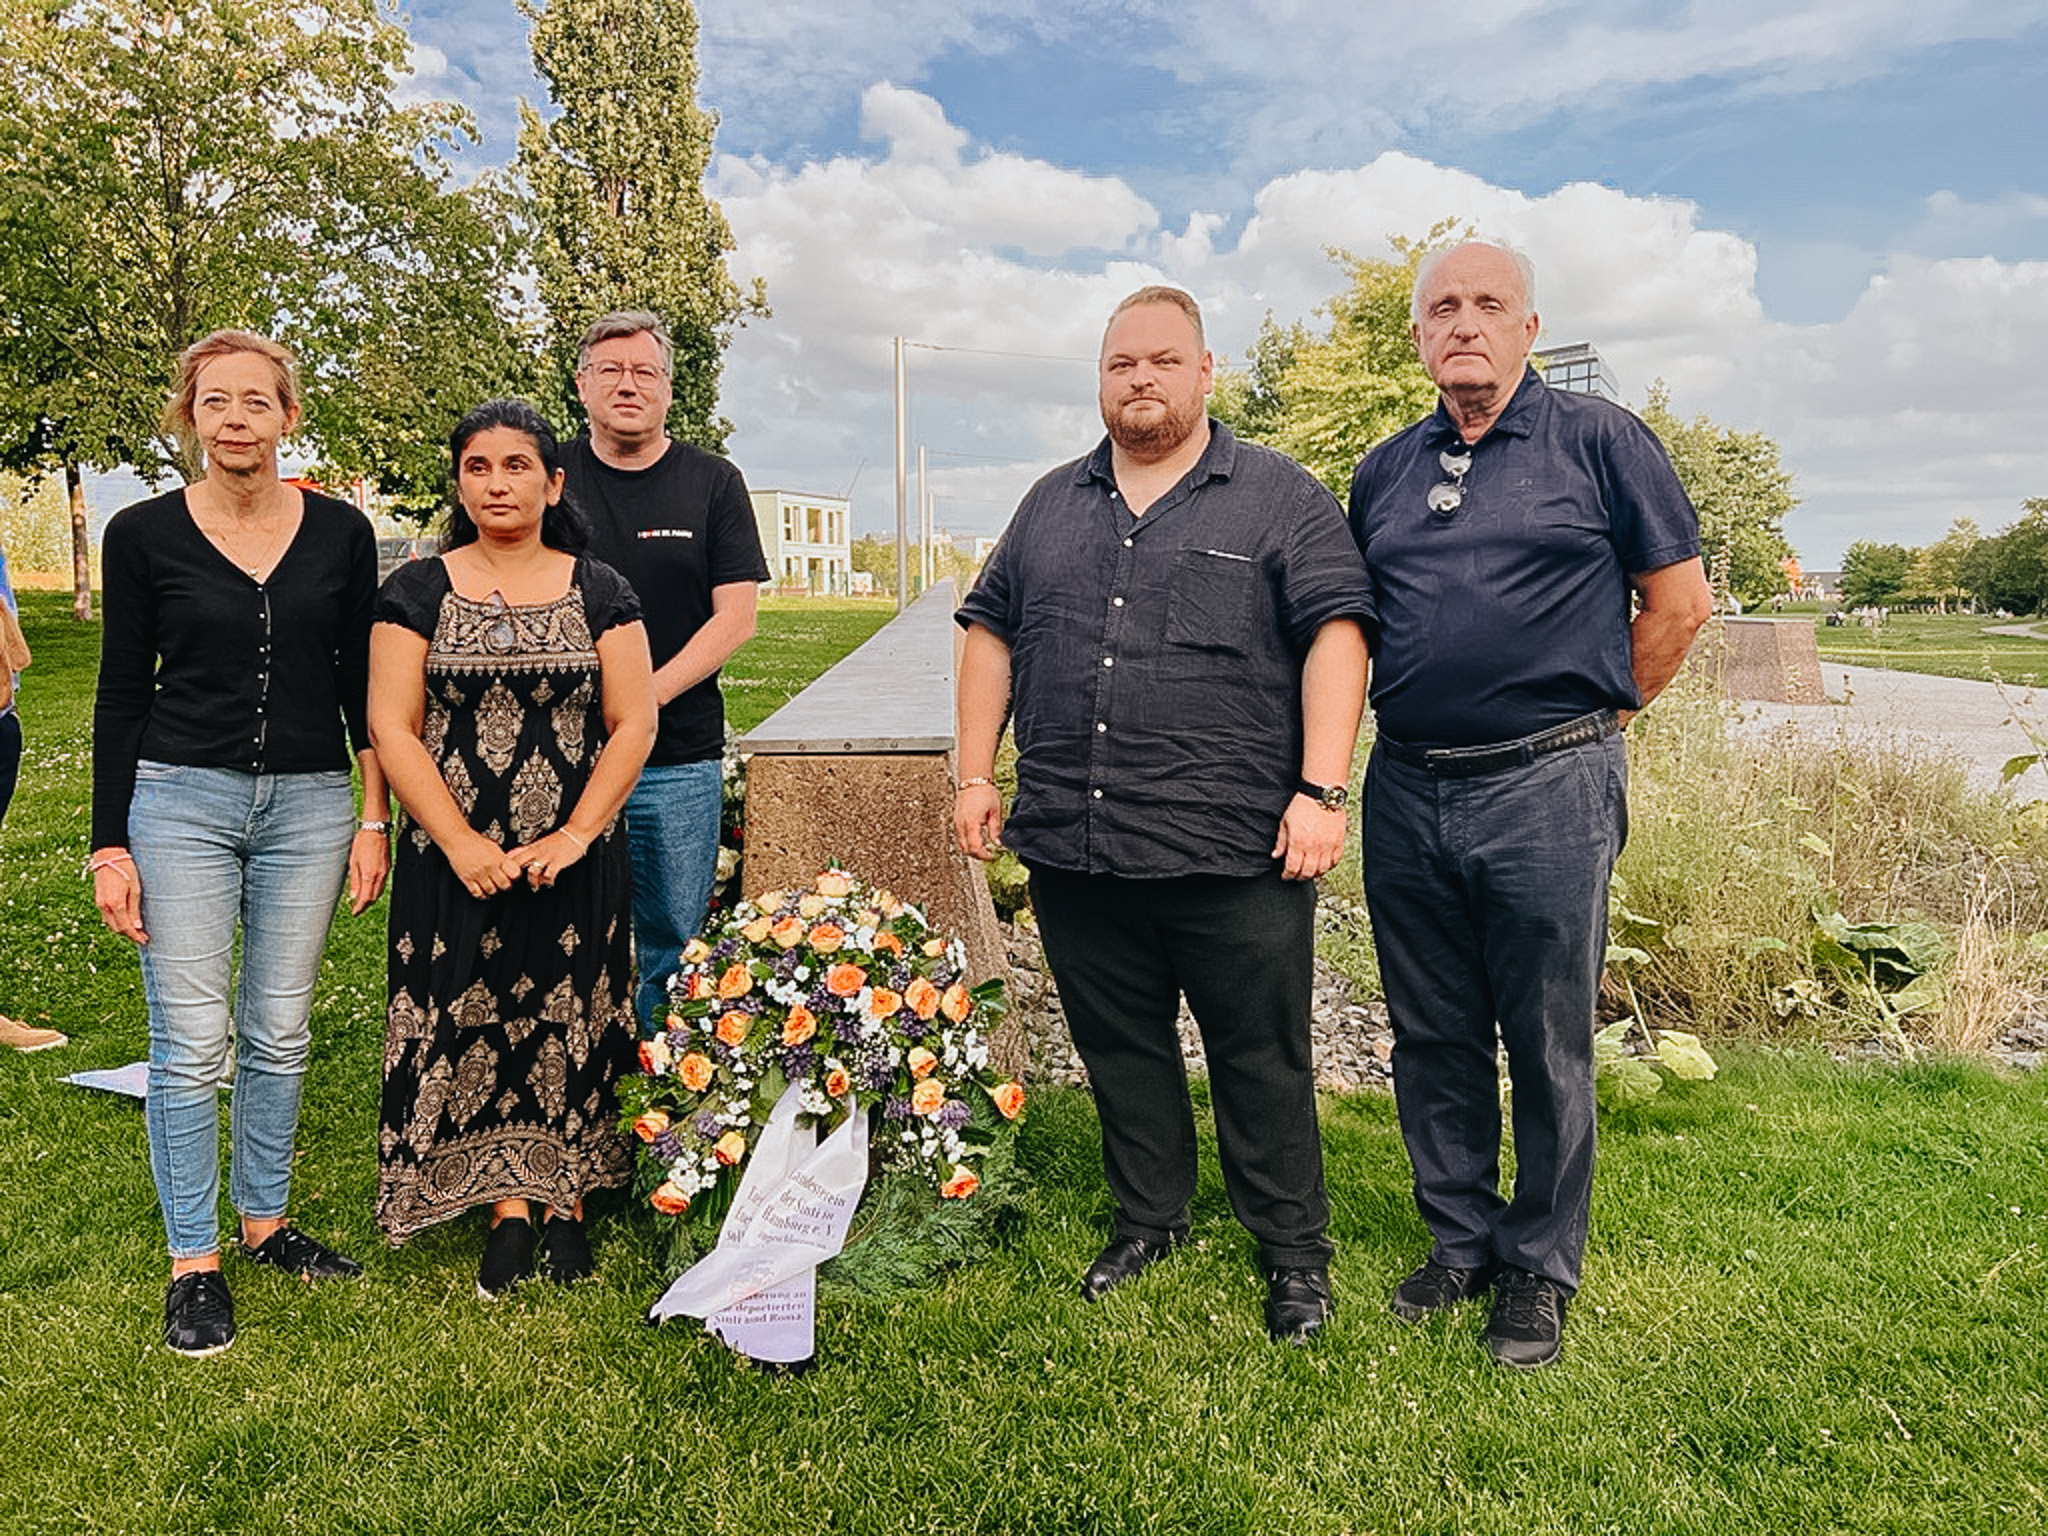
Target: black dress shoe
1298	1303
1123	1258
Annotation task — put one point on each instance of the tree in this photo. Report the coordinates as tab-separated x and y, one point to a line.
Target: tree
620	219
2010	569
1740	490
1936	573
1325	399
170	168
1874	574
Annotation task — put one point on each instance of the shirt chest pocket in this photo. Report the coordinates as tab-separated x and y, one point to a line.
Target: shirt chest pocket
1210	606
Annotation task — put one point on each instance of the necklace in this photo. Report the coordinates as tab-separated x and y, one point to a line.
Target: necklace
226	540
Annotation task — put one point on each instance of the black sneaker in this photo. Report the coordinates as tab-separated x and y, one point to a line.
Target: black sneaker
1434	1287
199	1315
568	1250
1526	1327
292	1251
508	1258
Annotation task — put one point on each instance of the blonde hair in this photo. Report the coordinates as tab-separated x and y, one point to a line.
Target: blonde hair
1161	293
178	419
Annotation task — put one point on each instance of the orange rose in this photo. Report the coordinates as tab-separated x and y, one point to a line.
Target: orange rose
788	933
867	917
697	985
695	1071
732	1146
884	1002
887	901
927	1097
827	937
768	901
920	1061
735	982
923	998
695	951
756	932
675	1021
834	884
654	1056
837	1082
733	1026
799	1026
845	980
1009	1099
957	1003
965	1181
933	948
888	943
812	906
669	1199
651	1124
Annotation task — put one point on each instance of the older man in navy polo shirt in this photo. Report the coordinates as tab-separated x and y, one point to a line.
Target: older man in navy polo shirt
1176	618
1534	572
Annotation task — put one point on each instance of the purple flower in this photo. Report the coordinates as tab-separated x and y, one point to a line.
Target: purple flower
953	1114
666	1147
897	1107
705	1124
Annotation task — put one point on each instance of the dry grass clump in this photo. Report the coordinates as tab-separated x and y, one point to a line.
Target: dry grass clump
1736	842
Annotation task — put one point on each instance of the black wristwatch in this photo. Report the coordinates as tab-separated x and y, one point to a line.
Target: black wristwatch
1331	797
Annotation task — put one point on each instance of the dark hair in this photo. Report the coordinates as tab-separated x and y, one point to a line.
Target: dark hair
561	526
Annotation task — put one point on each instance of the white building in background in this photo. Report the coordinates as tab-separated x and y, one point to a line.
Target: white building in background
1578	368
807	541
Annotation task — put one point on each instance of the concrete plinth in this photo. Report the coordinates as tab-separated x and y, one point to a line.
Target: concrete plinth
1762	661
858	770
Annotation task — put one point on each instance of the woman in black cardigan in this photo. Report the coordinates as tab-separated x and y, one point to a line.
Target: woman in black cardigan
234	654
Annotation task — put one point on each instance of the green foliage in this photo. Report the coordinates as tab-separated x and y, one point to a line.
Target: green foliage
1740	489
169	169
1324	399
620	219
1873	575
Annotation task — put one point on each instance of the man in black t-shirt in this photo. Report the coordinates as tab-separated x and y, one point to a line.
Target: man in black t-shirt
676	523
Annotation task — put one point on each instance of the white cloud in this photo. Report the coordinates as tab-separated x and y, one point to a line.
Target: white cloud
1921	404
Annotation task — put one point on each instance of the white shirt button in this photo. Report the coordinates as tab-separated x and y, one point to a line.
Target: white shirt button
1109	661
1100	726
1116	602
1096	793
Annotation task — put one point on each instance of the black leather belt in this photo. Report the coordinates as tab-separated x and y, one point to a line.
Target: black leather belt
1461	762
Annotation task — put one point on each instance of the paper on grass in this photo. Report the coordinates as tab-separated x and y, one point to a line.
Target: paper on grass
131	1080
757	1289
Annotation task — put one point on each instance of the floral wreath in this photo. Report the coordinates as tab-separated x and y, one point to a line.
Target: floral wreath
844	990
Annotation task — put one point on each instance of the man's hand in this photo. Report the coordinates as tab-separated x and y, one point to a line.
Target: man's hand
978	821
1311	839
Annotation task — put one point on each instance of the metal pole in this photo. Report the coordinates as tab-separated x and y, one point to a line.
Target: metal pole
924	524
902	487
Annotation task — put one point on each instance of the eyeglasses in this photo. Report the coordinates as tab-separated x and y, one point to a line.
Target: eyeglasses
499	635
1447	498
610	375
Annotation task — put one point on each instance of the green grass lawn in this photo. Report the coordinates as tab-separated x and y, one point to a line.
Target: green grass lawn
1816	1302
1940	645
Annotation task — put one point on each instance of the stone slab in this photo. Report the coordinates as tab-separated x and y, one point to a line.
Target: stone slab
892	694
1763	661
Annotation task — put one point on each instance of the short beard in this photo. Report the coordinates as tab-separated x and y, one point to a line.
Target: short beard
1154	439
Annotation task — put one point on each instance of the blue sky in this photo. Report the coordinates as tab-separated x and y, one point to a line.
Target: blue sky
1825	221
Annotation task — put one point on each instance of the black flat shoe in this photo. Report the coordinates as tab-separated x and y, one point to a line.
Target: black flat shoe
1122	1260
1298	1303
568	1250
508	1258
292	1251
199	1315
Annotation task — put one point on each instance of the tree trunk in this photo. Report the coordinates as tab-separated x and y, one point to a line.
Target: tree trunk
81	547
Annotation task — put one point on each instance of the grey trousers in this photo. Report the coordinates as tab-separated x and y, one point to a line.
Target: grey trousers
1488	898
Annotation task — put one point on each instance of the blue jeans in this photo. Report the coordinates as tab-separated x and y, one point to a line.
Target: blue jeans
215	847
1488	897
672	828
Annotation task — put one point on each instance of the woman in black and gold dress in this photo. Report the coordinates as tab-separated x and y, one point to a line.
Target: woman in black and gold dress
512	703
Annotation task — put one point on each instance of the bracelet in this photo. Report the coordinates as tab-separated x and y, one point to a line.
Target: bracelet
109	861
564	830
373	826
977	782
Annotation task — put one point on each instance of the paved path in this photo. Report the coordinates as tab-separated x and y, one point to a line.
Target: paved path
1943	716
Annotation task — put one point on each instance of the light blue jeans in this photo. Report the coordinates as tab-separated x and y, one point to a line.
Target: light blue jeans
672	829
215	847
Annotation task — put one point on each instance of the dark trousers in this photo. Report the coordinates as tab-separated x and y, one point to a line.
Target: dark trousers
1488	898
1242	950
10	757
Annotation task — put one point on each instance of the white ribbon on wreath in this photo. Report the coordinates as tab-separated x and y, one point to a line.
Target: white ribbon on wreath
757	1290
